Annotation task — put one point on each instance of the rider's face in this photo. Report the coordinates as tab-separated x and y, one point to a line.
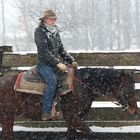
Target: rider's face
51	21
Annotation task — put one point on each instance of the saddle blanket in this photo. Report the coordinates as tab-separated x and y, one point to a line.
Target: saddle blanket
23	85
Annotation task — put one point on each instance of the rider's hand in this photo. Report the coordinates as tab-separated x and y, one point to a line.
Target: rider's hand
74	63
62	67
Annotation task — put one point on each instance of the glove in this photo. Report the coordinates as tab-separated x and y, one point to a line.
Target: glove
62	67
75	64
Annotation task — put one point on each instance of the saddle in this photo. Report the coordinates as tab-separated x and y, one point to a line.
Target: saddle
33	76
31	82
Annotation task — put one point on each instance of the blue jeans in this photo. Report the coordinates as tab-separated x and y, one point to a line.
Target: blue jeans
50	78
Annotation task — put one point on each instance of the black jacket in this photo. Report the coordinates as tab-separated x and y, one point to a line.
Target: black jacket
49	47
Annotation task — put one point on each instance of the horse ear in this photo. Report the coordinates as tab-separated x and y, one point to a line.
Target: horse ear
128	74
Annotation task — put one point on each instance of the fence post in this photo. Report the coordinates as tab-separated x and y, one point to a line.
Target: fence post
2	50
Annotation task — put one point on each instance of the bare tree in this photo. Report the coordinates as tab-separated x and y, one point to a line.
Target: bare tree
111	21
118	25
126	23
90	25
3	22
137	22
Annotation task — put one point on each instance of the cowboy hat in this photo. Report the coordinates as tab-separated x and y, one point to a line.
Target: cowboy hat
48	14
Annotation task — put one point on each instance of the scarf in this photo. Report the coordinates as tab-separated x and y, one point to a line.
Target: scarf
50	28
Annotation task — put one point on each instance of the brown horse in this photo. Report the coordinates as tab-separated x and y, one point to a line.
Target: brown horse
89	84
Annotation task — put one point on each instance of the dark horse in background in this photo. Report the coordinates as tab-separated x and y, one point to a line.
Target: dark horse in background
89	83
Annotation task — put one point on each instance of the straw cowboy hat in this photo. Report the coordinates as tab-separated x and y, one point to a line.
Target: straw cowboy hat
48	14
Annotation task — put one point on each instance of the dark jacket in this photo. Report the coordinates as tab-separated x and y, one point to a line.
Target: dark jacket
49	47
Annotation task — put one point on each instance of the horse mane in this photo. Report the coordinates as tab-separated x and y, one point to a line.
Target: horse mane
103	79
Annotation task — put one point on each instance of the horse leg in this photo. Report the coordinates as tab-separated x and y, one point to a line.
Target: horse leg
71	133
81	125
75	123
7	127
70	110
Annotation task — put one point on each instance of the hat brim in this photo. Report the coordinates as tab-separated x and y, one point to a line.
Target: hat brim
41	18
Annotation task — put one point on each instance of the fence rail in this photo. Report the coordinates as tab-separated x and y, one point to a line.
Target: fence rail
83	59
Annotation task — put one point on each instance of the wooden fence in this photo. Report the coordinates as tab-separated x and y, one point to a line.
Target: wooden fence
103	112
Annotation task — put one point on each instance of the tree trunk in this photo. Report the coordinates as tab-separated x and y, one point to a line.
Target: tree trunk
110	13
137	23
118	25
3	22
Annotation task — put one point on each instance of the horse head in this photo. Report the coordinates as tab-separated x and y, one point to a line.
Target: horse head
125	94
118	84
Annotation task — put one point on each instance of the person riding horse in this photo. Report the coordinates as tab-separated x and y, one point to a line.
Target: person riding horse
52	58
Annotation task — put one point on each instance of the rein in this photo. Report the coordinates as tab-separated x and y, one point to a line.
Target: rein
83	83
110	97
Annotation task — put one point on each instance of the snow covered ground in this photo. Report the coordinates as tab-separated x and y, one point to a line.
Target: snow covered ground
124	129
